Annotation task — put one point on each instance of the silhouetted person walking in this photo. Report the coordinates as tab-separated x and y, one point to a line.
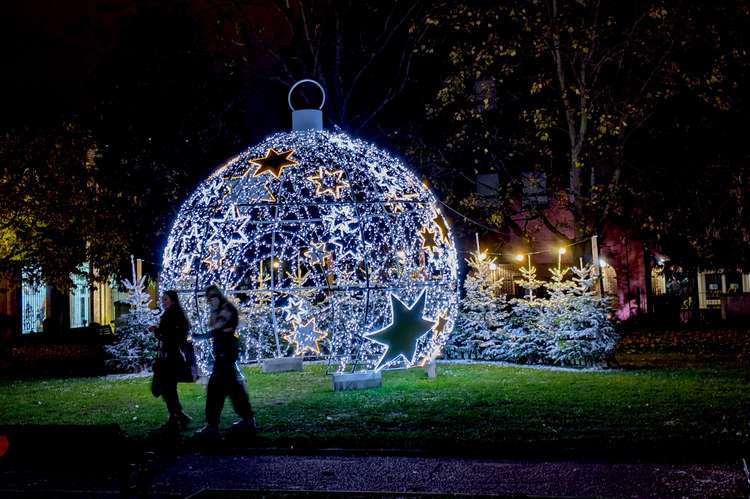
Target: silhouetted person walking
171	364
226	380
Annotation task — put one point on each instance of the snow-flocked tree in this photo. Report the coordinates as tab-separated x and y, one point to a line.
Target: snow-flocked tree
577	320
525	342
479	328
568	325
136	347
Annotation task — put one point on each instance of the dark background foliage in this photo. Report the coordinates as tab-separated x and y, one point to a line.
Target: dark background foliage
114	110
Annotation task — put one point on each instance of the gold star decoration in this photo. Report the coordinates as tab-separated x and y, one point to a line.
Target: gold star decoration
329	182
273	162
440	222
394	206
442	321
307	337
214	259
428	239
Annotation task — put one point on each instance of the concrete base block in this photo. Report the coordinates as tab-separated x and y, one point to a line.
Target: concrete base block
431	369
357	381
281	364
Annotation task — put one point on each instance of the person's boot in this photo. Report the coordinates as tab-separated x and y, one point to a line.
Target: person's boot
183	420
245	427
208	433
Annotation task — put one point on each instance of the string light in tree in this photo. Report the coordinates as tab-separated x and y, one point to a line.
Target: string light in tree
317	225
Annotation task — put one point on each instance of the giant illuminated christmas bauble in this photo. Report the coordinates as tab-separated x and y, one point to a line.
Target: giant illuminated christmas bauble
328	245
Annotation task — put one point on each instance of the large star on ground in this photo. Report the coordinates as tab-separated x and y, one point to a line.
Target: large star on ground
273	162
401	335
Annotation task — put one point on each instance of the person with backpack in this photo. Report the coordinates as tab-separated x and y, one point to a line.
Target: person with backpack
226	380
172	365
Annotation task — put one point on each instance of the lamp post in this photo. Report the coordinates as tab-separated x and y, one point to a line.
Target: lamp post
519	258
560	253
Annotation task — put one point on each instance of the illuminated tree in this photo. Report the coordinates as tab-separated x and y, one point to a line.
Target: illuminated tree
136	347
479	329
575	320
56	212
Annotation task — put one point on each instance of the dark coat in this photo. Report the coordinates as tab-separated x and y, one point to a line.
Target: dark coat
223	330
172	333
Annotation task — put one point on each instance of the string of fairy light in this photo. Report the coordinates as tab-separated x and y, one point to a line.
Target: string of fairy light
520	256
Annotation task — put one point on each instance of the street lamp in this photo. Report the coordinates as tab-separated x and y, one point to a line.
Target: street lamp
560	253
493	268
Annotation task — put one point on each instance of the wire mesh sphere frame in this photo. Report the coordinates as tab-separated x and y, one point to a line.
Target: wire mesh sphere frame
313	235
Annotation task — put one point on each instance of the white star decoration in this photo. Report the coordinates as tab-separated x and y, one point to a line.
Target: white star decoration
296	309
306	338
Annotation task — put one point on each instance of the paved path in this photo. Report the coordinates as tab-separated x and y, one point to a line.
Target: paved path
447	475
184	475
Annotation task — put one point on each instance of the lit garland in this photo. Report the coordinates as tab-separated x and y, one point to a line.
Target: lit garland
316	228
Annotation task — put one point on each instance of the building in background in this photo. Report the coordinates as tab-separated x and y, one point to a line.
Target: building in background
638	280
34	308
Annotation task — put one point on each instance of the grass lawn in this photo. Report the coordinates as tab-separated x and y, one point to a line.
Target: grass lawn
500	410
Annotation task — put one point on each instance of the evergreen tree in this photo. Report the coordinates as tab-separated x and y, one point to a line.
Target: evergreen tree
136	347
526	342
576	320
479	328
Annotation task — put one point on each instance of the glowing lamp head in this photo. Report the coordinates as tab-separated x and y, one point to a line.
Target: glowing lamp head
493	266
519	258
561	251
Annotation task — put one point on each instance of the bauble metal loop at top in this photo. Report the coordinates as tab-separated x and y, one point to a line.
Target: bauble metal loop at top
322	91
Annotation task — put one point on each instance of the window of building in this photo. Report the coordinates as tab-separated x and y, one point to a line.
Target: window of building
33	306
487	184
658	281
534	190
80	299
609	280
508	273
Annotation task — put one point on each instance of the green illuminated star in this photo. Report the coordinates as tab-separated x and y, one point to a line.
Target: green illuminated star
401	335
